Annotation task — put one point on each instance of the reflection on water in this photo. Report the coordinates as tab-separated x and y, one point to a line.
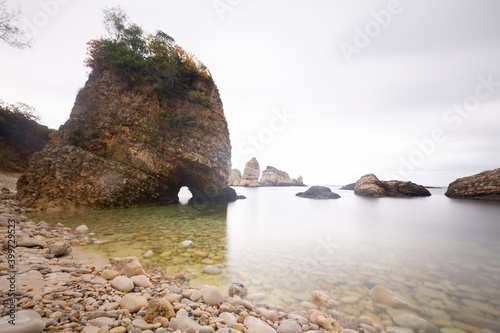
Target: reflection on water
440	254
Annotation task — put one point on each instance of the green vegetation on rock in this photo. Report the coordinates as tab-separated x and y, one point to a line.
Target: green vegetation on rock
147	59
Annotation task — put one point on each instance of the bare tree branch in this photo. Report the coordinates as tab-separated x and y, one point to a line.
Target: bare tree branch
11	34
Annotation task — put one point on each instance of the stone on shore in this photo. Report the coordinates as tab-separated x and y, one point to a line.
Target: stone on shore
159	307
484	185
141	281
129	266
133	302
212	295
183	323
255	325
110	274
101	321
370	186
122	283
31	242
320	299
289	326
26	321
60	248
83	229
318	192
386	296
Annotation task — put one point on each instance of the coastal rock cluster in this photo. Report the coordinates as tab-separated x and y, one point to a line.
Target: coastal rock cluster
370	186
270	176
121	147
484	185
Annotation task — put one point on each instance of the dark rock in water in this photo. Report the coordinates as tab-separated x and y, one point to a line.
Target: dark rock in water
348	187
124	147
484	185
370	186
318	192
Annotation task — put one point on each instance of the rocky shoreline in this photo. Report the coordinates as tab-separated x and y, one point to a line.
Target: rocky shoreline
62	288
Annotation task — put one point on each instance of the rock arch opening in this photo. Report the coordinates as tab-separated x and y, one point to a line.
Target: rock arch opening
184	195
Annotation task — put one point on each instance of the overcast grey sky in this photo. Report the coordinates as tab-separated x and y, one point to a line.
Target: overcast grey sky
330	89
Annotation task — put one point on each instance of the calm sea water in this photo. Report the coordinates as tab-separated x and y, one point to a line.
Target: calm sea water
441	254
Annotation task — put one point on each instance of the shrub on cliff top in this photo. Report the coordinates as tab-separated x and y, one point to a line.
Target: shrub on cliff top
144	59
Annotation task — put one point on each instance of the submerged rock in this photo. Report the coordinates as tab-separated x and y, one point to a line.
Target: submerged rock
484	185
251	174
388	297
321	299
125	147
318	192
370	186
237	289
414	322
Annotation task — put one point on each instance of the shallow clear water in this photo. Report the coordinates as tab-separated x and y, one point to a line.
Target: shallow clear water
442	255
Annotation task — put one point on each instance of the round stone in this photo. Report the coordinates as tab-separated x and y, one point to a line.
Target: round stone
26	321
122	283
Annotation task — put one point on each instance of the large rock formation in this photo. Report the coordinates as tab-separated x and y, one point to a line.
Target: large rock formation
318	192
274	177
125	147
234	177
251	174
370	186
484	185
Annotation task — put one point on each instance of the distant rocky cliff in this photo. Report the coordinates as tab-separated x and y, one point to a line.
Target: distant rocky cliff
274	177
370	186
484	185
124	147
251	174
270	176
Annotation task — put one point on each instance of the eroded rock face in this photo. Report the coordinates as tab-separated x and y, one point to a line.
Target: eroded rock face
234	177
121	147
251	174
370	186
274	177
484	185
